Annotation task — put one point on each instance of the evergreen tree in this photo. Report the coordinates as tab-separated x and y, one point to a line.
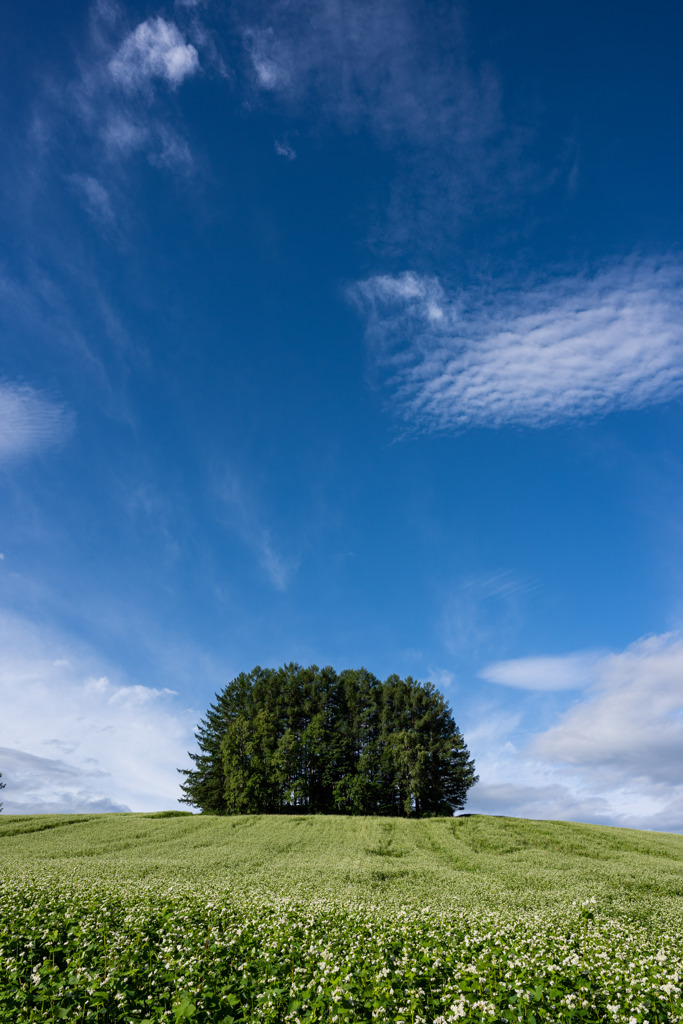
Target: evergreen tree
2	786
307	740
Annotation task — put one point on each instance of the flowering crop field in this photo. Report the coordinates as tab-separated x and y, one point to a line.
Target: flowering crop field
156	918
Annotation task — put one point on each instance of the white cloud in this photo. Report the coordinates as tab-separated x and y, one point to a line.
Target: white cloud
75	740
566	672
267	59
632	720
551	801
30	422
615	756
284	149
114	101
44	785
573	347
155	49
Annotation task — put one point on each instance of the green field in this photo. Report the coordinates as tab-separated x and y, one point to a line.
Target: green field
265	918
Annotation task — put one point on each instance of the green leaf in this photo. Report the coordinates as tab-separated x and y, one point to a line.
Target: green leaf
185	1008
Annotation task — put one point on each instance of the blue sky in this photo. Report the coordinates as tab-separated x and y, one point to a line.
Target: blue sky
345	333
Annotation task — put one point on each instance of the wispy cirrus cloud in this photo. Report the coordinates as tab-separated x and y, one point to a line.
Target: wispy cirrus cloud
483	610
371	64
94	196
402	73
30	422
245	518
269	58
572	347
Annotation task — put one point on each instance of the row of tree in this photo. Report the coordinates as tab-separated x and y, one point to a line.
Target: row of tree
309	740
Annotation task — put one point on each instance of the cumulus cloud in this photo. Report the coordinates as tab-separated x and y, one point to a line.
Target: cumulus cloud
30	422
121	102
537	356
74	740
155	49
614	756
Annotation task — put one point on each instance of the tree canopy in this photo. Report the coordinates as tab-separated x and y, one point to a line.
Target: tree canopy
309	740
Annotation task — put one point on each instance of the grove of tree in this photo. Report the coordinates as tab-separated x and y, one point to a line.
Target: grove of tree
309	740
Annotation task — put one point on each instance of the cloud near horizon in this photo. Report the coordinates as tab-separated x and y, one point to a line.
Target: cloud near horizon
74	740
631	720
581	346
614	756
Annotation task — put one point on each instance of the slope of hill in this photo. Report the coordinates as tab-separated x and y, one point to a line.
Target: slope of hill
397	860
158	918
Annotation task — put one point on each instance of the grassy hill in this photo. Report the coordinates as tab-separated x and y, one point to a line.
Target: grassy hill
395	860
167	917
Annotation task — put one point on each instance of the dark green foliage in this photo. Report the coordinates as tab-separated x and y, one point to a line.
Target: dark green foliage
306	740
168	814
2	786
